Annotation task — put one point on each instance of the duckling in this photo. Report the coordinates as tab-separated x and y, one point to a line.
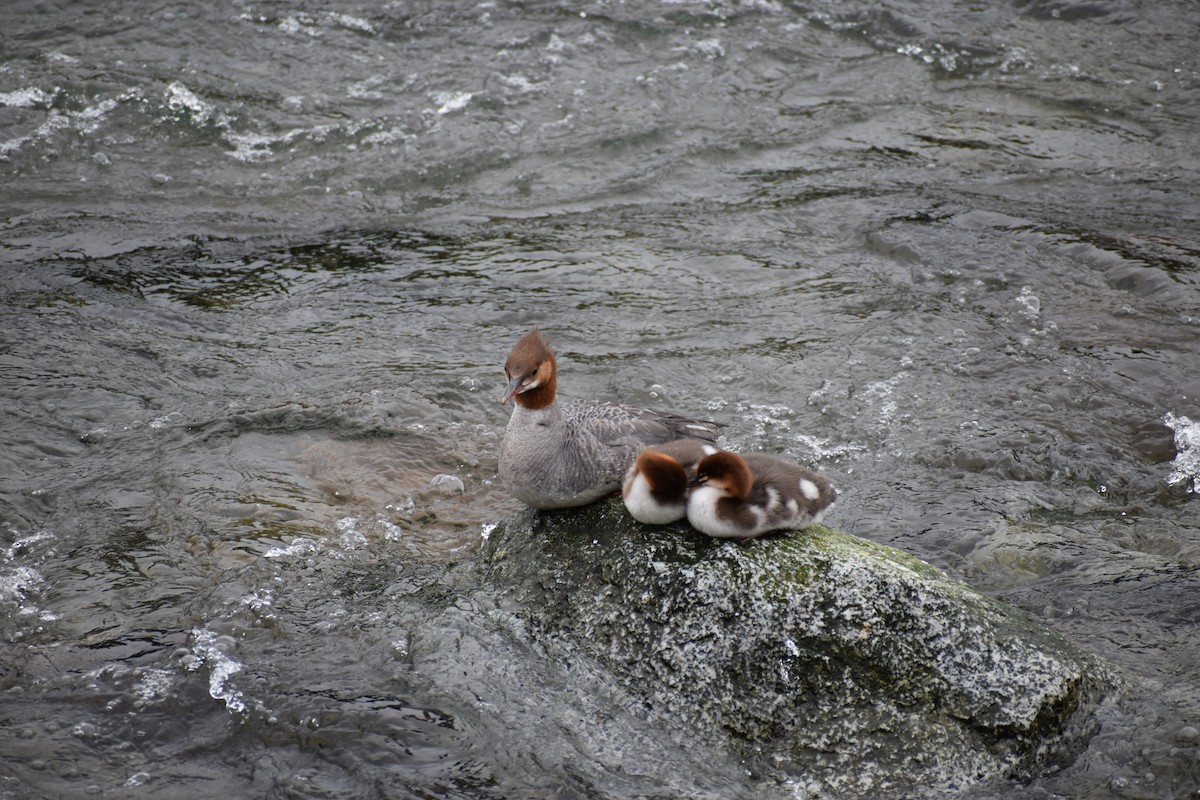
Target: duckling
744	496
656	486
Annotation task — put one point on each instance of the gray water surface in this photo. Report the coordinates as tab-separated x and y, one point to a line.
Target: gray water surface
261	263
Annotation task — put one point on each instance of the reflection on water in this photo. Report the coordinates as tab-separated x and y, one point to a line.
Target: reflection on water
253	320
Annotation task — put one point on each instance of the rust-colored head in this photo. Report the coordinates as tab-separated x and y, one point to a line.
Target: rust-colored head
727	471
666	477
531	372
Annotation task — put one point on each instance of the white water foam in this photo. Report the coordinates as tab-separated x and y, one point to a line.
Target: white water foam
1030	303
451	101
16	584
86	120
1186	466
154	685
19	582
25	98
54	122
352	23
774	429
298	547
356	533
880	393
208	649
181	98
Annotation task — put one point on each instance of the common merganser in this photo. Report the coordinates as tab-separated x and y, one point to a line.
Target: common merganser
744	496
571	454
656	486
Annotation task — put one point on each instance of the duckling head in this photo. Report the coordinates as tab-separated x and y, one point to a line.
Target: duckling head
726	472
667	480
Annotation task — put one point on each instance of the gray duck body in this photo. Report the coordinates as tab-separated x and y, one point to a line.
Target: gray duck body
558	455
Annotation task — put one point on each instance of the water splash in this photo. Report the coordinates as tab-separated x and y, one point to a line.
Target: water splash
31	97
183	101
17	583
451	101
1186	466
208	649
882	394
137	779
53	123
357	533
1030	303
299	547
352	23
20	586
154	685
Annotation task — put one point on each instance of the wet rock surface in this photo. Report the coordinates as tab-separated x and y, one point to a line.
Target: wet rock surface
820	655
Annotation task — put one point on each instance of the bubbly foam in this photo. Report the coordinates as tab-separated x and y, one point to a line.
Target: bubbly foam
1186	466
25	98
208	649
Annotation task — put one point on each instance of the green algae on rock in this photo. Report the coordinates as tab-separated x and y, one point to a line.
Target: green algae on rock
815	652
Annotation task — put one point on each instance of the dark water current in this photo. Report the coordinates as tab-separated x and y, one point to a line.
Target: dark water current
260	264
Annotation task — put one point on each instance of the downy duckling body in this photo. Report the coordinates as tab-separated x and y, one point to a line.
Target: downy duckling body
656	486
745	496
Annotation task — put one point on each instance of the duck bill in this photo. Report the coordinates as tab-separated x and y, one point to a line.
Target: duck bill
514	387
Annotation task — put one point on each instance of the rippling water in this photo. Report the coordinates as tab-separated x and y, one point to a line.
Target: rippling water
261	263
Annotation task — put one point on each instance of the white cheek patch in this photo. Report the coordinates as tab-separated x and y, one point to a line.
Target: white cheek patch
809	489
533	384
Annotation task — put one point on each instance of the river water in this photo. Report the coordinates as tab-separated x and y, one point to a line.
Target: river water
261	263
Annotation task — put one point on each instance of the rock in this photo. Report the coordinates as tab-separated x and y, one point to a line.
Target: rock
816	653
447	484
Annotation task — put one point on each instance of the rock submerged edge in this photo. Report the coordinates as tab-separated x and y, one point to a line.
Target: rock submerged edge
814	652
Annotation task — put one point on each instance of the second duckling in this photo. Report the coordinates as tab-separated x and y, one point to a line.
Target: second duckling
744	496
656	487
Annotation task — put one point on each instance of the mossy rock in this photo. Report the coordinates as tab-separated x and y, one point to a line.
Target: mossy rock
815	652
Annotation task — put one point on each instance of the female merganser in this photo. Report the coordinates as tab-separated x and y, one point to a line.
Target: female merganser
571	454
744	496
656	486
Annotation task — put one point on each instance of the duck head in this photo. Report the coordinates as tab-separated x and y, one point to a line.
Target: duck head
531	372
